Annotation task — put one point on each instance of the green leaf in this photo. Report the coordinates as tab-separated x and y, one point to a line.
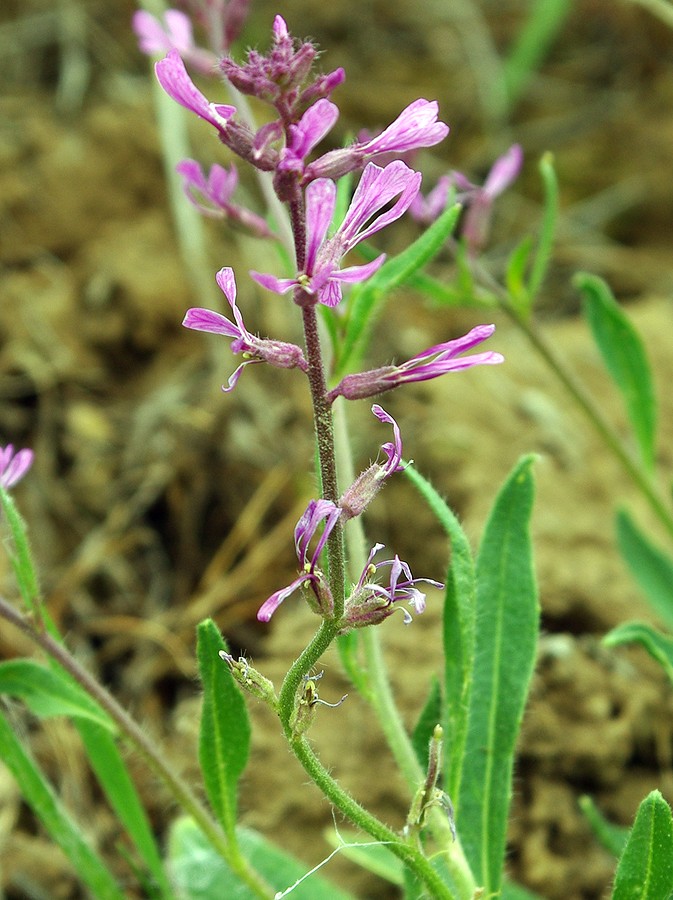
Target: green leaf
624	357
224	741
507	614
645	870
650	566
112	774
515	276
547	230
612	837
659	646
366	299
19	555
533	41
38	793
431	715
200	873
458	631
49	692
512	891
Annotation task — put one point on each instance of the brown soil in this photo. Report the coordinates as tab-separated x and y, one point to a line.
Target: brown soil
156	501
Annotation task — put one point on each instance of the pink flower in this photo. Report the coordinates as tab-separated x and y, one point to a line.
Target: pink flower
277	353
431	363
175	34
477	222
316	512
322	276
174	79
13	466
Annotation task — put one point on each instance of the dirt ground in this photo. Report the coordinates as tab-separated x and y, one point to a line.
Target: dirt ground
156	500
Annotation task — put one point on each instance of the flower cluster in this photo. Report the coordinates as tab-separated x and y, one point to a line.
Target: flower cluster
284	146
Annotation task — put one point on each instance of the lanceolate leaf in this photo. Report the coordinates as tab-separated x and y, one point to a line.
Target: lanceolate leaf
650	566
431	715
645	870
224	742
458	631
110	769
506	621
47	807
49	692
625	359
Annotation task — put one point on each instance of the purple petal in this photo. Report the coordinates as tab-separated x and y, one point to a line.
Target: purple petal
320	202
416	126
173	78
14	466
377	187
200	319
449	349
504	172
353	274
271	283
268	608
393	451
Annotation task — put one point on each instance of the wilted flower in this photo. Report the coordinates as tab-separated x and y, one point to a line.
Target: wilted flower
367	485
315	513
431	363
371	603
322	276
13	466
255	349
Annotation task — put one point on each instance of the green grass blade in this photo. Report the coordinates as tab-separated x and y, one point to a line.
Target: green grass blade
645	870
612	837
19	555
650	566
431	715
507	617
659	646
547	231
49	692
107	763
224	742
365	300
533	42
458	632
625	359
38	793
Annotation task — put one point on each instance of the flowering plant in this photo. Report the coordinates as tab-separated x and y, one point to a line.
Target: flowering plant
457	765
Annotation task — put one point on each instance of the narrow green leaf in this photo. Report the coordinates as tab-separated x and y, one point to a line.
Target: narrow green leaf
38	793
20	556
547	230
452	294
49	692
645	870
224	741
515	276
431	715
512	891
507	616
201	874
612	837
659	646
365	300
458	632
650	566
625	359
533	41
107	763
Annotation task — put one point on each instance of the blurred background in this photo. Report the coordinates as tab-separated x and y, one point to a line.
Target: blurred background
155	500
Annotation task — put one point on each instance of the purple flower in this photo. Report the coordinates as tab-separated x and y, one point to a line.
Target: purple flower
306	134
277	353
425	210
480	202
212	195
13	466
175	34
415	127
431	363
322	276
367	485
315	513
174	79
371	603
